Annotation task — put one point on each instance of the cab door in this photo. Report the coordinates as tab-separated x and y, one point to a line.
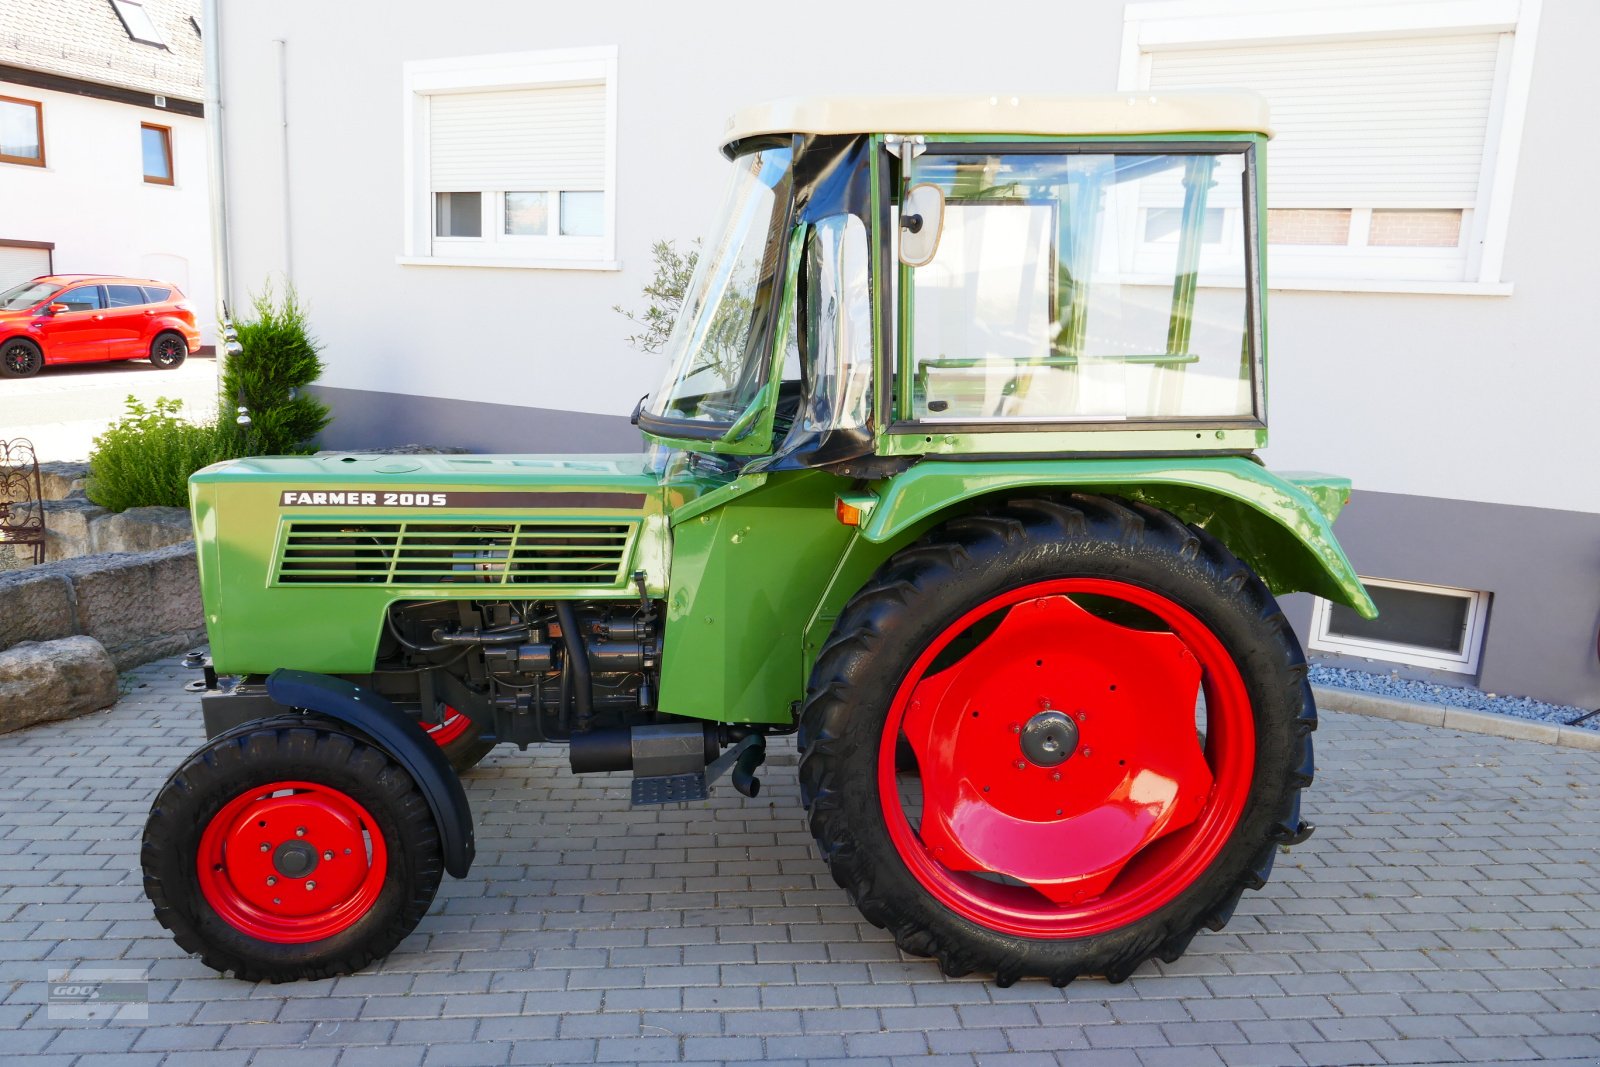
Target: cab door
78	333
127	321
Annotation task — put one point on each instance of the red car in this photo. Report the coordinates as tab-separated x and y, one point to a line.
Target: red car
88	318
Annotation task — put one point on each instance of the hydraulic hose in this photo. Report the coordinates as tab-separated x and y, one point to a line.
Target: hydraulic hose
577	662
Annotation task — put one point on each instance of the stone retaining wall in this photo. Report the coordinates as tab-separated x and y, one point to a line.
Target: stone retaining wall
133	606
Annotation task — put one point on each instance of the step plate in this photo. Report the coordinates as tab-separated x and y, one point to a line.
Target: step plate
670	789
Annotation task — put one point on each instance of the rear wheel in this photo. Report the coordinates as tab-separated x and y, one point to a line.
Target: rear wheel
290	848
168	350
1057	739
459	738
20	358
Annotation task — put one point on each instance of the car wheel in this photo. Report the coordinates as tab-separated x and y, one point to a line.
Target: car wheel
20	358
168	350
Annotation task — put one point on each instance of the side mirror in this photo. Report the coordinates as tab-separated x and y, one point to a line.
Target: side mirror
921	223
56	309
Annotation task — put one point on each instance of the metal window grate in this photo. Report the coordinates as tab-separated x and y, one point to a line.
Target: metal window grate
454	553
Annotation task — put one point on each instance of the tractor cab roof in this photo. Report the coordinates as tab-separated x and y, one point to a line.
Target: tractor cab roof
1108	114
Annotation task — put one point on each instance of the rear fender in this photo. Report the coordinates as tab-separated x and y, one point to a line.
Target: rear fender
398	735
1280	526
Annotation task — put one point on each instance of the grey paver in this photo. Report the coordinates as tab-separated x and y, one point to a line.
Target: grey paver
1442	914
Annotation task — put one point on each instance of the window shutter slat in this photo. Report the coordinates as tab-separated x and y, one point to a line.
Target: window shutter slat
518	139
1377	123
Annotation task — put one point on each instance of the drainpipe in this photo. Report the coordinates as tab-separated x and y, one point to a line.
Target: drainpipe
216	161
283	114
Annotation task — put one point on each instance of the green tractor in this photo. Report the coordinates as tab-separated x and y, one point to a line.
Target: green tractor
953	477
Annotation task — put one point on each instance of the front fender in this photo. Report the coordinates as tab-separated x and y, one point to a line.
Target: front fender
1280	526
380	720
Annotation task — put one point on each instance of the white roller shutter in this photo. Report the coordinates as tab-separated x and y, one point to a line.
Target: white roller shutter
518	139
22	264
1393	123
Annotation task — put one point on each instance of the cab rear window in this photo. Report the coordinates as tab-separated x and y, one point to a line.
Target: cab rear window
155	295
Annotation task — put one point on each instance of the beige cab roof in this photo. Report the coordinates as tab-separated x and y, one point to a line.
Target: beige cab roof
1020	113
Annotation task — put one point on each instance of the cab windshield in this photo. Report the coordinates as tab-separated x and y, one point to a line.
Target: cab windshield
718	362
24	296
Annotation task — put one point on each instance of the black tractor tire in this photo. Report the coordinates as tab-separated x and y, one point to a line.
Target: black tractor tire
168	350
303	750
960	566
20	358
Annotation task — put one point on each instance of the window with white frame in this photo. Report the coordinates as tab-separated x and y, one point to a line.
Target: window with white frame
1396	126
1422	625
512	160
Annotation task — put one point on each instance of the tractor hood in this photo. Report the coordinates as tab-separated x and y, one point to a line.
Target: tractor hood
325	543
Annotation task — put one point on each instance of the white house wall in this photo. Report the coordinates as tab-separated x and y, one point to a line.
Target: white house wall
90	198
1481	404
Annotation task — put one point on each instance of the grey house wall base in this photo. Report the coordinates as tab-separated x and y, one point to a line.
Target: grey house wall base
1541	565
367	419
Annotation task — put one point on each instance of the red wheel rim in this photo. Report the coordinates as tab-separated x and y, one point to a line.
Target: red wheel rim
1017	837
452	726
291	862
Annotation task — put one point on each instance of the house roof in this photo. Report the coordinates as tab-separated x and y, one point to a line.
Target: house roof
86	40
1005	113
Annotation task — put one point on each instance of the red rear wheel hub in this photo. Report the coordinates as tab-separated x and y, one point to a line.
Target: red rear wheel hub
1062	787
451	727
291	862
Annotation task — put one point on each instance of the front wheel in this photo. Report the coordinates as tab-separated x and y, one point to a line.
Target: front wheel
290	848
168	350
1056	738
20	358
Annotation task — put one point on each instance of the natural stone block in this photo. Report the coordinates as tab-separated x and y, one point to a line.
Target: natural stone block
69	527
138	605
140	530
63	478
41	681
35	605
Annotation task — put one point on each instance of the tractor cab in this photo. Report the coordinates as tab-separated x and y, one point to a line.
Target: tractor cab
998	275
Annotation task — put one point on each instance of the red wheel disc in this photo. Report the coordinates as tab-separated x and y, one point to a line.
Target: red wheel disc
291	862
1065	790
450	727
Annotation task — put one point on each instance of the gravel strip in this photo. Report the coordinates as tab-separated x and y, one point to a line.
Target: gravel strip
1450	696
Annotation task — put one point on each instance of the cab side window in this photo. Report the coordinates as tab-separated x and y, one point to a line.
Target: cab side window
83	298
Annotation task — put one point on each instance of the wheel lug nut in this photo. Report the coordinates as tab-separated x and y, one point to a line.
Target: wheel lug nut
1016	727
265	847
272	881
327	855
310	886
1056	777
300	831
277	900
1020	765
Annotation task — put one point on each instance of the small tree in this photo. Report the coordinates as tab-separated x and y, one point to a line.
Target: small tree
279	359
664	295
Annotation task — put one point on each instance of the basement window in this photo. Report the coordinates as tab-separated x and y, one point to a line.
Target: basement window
1437	627
137	22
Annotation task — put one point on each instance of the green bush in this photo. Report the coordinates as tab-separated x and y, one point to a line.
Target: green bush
279	359
145	458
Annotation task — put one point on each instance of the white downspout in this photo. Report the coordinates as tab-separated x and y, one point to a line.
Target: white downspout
283	113
216	161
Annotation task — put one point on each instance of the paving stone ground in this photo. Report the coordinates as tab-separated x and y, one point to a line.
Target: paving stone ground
1445	912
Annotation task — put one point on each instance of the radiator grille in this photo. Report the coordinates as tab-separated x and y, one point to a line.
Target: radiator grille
437	553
